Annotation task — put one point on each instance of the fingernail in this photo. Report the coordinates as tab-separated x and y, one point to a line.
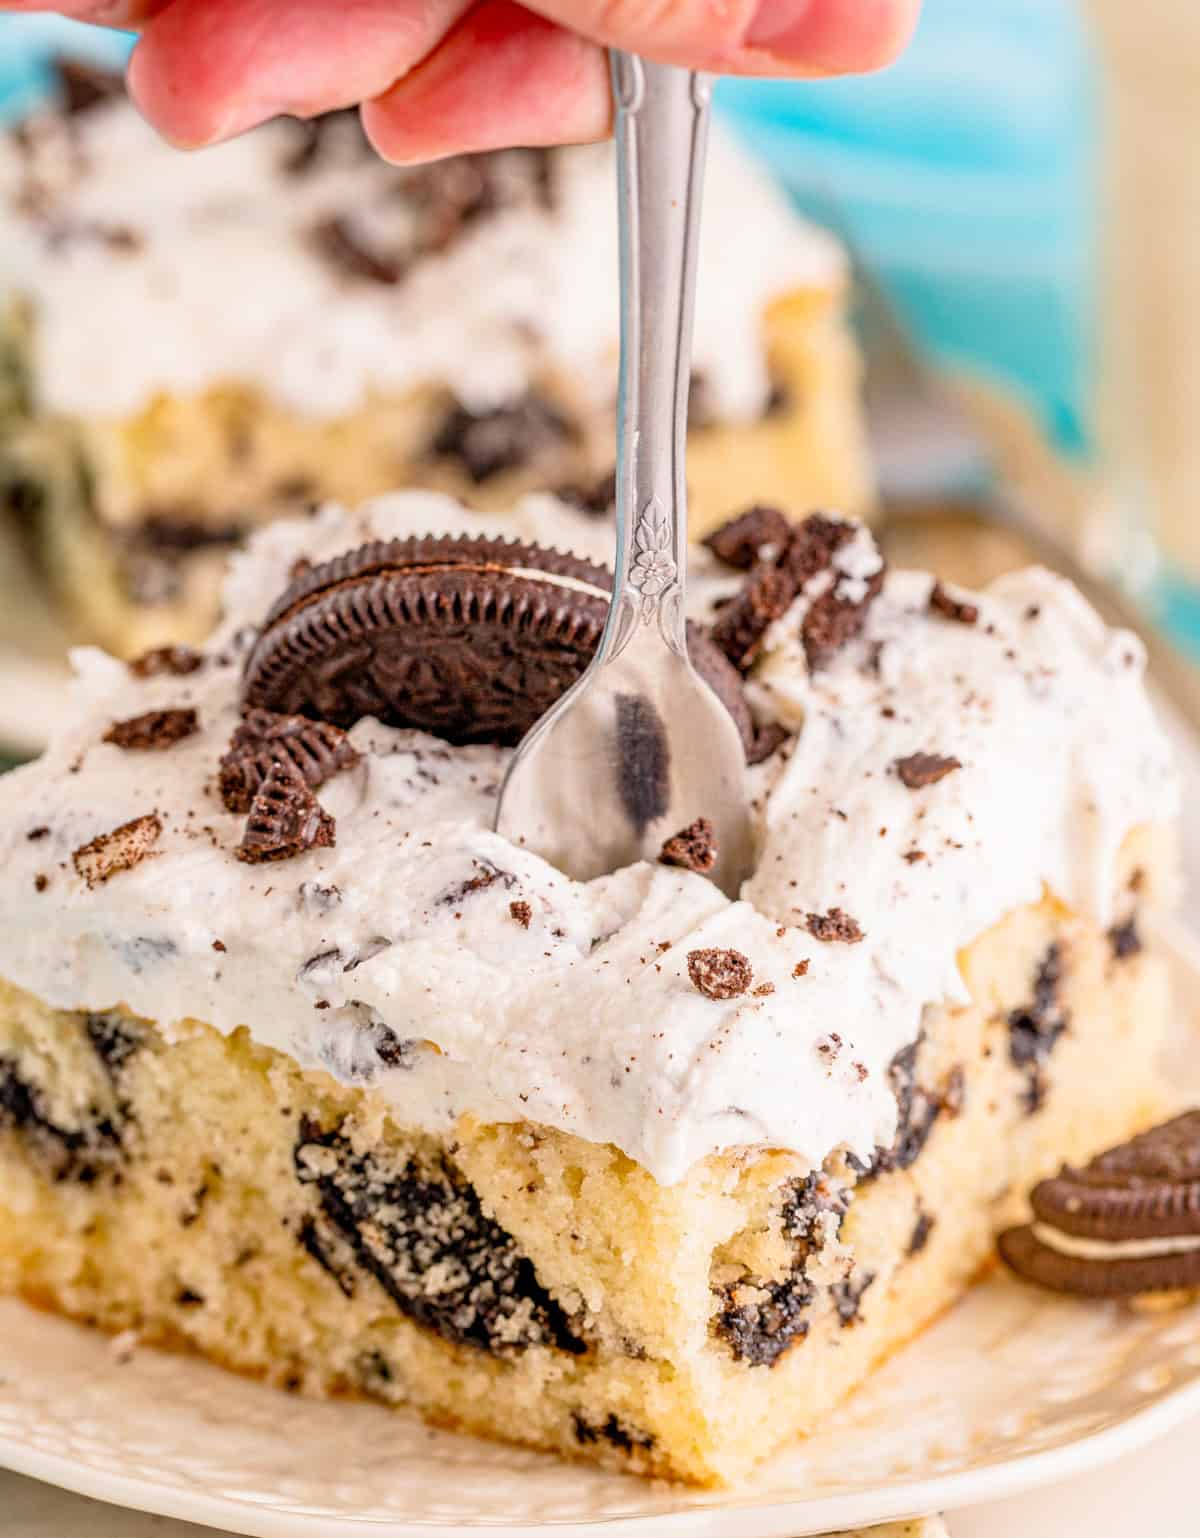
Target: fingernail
782	26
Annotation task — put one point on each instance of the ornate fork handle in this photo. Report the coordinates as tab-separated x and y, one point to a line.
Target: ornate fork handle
661	130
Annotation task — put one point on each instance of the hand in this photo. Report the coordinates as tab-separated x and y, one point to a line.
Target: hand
437	77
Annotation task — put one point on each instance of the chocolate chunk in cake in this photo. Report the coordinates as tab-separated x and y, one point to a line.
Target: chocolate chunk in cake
719	974
917	770
1124	939
285	819
1034	1029
509	437
154	731
400	1222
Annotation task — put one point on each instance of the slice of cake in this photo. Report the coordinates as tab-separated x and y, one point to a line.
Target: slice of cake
190	344
304	1067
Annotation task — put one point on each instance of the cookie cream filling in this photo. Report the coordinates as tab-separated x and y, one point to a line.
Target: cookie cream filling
502	989
216	277
1114	1249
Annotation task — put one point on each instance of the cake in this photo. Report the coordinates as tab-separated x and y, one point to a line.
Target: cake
190	345
304	1068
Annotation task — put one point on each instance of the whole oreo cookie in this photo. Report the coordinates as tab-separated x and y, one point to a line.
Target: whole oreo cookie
1127	1223
471	639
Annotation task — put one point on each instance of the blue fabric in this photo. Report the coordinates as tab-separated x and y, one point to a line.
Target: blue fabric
964	173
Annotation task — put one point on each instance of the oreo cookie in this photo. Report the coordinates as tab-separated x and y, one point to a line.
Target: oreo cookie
470	639
1127	1223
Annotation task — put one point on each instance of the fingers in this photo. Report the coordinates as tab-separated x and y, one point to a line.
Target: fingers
207	69
101	13
797	37
503	76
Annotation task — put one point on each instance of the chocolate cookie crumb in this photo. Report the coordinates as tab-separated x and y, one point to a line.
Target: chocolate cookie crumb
719	974
40	832
1124	940
285	819
40	883
800	969
767	740
833	927
173	661
922	1229
944	603
522	912
508	437
336	241
742	623
109	854
739	543
692	848
598	500
219	945
153	732
316	750
920	769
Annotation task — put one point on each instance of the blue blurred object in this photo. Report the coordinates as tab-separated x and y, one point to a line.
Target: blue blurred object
965	174
27	44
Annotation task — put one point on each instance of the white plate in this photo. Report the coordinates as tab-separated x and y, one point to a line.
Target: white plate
1012	1389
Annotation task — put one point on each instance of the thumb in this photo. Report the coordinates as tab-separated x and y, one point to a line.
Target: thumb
747	37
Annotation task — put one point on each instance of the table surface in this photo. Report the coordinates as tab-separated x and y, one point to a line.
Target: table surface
1150	1494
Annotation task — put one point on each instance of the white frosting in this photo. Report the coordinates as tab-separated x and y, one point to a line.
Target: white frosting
225	284
586	1020
1114	1249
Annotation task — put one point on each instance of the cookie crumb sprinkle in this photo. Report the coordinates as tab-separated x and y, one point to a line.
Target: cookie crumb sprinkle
693	848
918	770
834	927
719	974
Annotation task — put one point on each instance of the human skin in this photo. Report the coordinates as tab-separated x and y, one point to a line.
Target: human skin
439	77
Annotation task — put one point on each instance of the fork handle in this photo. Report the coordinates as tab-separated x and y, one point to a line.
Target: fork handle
661	130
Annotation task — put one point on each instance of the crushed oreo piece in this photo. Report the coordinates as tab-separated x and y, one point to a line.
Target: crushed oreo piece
599	499
742	623
760	1320
834	927
917	770
175	661
740	542
848	1296
285	819
922	1228
415	1225
336	240
692	848
108	854
316	750
80	1146
522	912
153	732
719	974
1034	1028
942	602
509	437
84	86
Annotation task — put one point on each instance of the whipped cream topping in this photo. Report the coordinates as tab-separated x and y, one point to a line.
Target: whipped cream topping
403	936
219	278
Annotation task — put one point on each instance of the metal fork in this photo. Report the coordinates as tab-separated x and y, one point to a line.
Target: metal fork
641	747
